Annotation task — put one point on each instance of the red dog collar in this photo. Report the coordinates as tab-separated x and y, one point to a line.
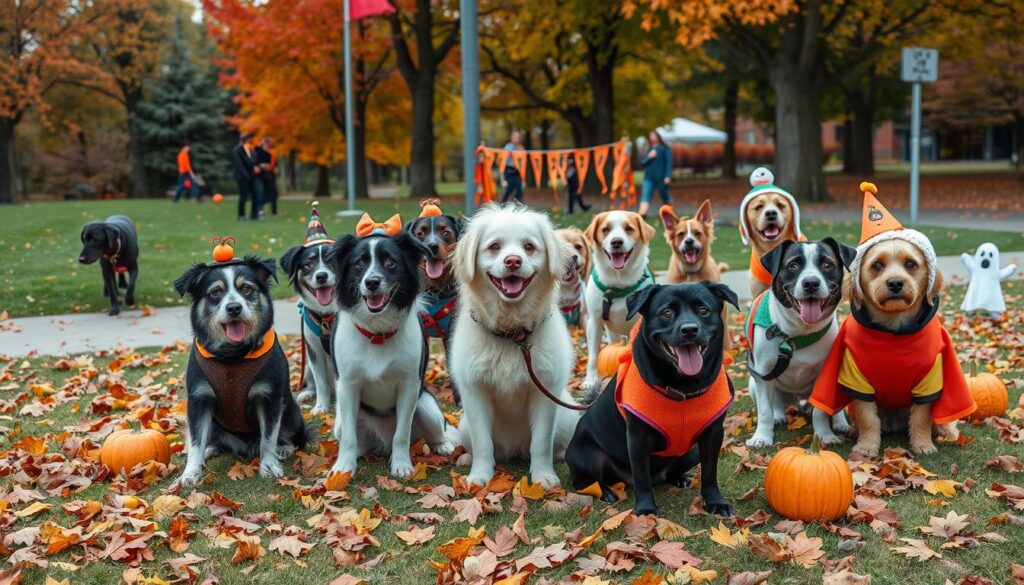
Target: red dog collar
376	338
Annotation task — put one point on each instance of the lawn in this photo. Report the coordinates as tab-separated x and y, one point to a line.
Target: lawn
53	410
40	243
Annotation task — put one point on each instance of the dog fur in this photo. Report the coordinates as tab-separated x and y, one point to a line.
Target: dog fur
114	243
770	216
690	239
571	294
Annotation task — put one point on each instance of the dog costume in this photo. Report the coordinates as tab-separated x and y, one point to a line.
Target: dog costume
679	420
231	381
611	293
761	316
320	325
915	365
984	291
763	181
439	305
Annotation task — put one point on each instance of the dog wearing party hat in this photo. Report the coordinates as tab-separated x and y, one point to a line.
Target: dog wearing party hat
315	279
892	359
769	215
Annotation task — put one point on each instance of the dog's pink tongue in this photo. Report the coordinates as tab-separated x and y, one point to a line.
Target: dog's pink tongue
435	267
771	231
688	360
235	330
512	285
324	295
810	311
375	302
690	256
618	260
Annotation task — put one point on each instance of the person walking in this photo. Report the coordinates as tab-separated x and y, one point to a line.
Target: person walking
245	173
186	176
512	179
657	163
266	160
572	185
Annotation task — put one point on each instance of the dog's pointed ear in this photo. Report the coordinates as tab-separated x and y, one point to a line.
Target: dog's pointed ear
773	258
637	302
464	258
704	212
723	292
845	253
668	219
647	230
290	261
265	268
187	282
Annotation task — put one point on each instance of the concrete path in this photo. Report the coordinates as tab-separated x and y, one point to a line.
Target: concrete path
77	333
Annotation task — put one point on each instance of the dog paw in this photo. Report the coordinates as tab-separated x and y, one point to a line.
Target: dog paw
842	427
401	468
608	496
210	453
445	448
129	300
866	450
829	438
271	468
645	510
546	478
759	441
285	451
344	465
190	477
480	477
114	311
320	409
680	481
779	419
464	460
304	395
923	447
718	508
948	431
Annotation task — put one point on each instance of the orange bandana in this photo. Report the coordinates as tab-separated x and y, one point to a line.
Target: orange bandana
268	343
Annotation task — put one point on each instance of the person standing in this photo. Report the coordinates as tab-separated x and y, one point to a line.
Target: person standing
512	179
572	185
266	160
245	171
657	163
186	176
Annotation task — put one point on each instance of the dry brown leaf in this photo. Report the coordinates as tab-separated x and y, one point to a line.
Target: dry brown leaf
915	549
767	547
748	578
416	535
845	577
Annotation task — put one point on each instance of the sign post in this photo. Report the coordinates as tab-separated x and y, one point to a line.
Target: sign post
470	97
918	66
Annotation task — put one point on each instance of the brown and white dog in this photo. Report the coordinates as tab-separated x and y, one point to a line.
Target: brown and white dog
690	240
570	299
619	245
769	215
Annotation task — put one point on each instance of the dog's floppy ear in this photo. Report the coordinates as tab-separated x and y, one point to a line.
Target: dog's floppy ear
464	258
591	232
409	225
290	261
773	258
704	212
85	228
265	268
187	282
412	246
723	292
637	302
845	253
559	251
647	230
456	224
938	285
668	219
112	236
342	247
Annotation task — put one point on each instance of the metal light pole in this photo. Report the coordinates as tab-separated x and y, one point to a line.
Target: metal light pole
918	65
470	96
350	161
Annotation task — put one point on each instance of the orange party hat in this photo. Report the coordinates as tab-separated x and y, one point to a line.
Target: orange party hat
431	208
876	218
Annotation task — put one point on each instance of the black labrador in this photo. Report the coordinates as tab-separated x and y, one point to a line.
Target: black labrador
114	243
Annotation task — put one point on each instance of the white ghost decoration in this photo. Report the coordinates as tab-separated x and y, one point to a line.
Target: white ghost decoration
984	292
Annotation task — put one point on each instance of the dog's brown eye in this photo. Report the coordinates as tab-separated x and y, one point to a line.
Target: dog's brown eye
216	294
666	314
389	263
793	266
758	207
605	230
494	247
703	311
877	265
910	264
529	247
247	290
826	265
420	233
698	234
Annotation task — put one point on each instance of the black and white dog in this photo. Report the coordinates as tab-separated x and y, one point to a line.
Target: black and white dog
114	243
791	329
314	279
662	413
237	380
382	405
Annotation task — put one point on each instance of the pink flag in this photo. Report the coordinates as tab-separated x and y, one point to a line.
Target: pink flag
363	8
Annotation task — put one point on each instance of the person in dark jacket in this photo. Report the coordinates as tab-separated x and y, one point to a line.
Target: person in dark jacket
245	172
572	185
266	159
657	163
512	180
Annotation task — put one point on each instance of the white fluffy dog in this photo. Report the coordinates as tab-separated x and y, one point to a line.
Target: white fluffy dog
509	263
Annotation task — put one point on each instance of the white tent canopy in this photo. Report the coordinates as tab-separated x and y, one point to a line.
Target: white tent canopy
683	130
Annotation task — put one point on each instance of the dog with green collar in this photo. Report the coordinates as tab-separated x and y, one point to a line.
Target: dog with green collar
791	328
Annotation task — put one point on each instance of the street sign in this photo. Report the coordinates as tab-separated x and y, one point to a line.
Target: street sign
919	65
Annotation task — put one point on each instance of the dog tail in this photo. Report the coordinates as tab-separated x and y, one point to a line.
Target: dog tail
722	266
591	395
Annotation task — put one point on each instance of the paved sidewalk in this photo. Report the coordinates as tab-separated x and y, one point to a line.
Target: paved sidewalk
76	333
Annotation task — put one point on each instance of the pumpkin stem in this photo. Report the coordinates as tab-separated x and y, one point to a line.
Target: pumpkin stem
815	445
974	368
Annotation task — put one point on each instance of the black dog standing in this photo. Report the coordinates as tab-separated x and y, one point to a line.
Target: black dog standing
663	411
114	243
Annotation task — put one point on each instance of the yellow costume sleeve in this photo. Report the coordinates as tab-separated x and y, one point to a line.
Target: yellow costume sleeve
854	382
930	387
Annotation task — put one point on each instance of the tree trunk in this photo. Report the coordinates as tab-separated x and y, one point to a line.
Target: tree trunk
798	153
7	193
1018	128
422	159
861	155
732	92
291	173
602	91
323	181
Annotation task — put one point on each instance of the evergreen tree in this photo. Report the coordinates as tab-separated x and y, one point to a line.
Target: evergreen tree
186	104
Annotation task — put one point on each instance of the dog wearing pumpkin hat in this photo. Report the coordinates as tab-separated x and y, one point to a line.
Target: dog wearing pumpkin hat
892	359
769	215
380	350
239	398
314	279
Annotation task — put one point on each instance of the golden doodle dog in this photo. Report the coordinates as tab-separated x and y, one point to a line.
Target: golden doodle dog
769	215
570	297
892	355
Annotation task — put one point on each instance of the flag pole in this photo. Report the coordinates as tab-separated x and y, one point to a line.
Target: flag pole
350	159
470	97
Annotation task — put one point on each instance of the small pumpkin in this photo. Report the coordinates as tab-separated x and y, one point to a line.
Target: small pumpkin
808	485
223	251
989	393
126	448
608	358
217	198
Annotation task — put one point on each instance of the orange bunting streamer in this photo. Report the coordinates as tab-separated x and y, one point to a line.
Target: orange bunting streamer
622	176
537	163
582	157
553	170
484	178
600	158
519	158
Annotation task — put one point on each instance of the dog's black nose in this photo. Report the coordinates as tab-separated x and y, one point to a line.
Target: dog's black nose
434	248
617	242
894	284
233	309
688	242
372	283
321	277
811	284
513	262
689	331
771	214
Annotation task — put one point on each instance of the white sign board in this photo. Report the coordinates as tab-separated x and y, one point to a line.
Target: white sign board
920	65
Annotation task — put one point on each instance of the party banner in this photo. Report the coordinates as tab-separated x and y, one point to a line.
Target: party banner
600	158
553	170
582	158
519	158
537	163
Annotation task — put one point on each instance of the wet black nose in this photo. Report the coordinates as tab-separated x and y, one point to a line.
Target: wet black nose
321	277
894	284
372	283
688	242
81	259
617	242
689	331
985	263
434	248
233	309
811	284
771	214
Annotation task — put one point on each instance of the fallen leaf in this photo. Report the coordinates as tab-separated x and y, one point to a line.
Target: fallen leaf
915	549
947	527
946	487
724	537
669	530
673	555
527	490
767	547
845	577
748	578
416	535
467	510
1006	463
337	481
33	509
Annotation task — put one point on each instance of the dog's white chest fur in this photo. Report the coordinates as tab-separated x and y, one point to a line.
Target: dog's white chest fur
378	372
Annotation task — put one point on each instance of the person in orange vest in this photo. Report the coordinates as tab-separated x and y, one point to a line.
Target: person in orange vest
266	159
186	176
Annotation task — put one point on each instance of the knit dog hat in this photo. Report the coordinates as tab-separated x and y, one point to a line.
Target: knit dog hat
879	225
763	181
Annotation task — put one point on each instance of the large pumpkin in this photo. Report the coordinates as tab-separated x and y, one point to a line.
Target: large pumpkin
126	448
808	485
989	394
608	359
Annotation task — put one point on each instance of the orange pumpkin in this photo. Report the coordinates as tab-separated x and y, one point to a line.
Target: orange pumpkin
126	448
608	359
808	485
989	393
217	198
223	251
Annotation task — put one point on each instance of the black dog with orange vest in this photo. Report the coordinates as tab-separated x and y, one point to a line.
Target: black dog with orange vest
662	413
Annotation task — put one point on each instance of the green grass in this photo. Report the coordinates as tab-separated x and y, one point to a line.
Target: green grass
39	246
409	564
